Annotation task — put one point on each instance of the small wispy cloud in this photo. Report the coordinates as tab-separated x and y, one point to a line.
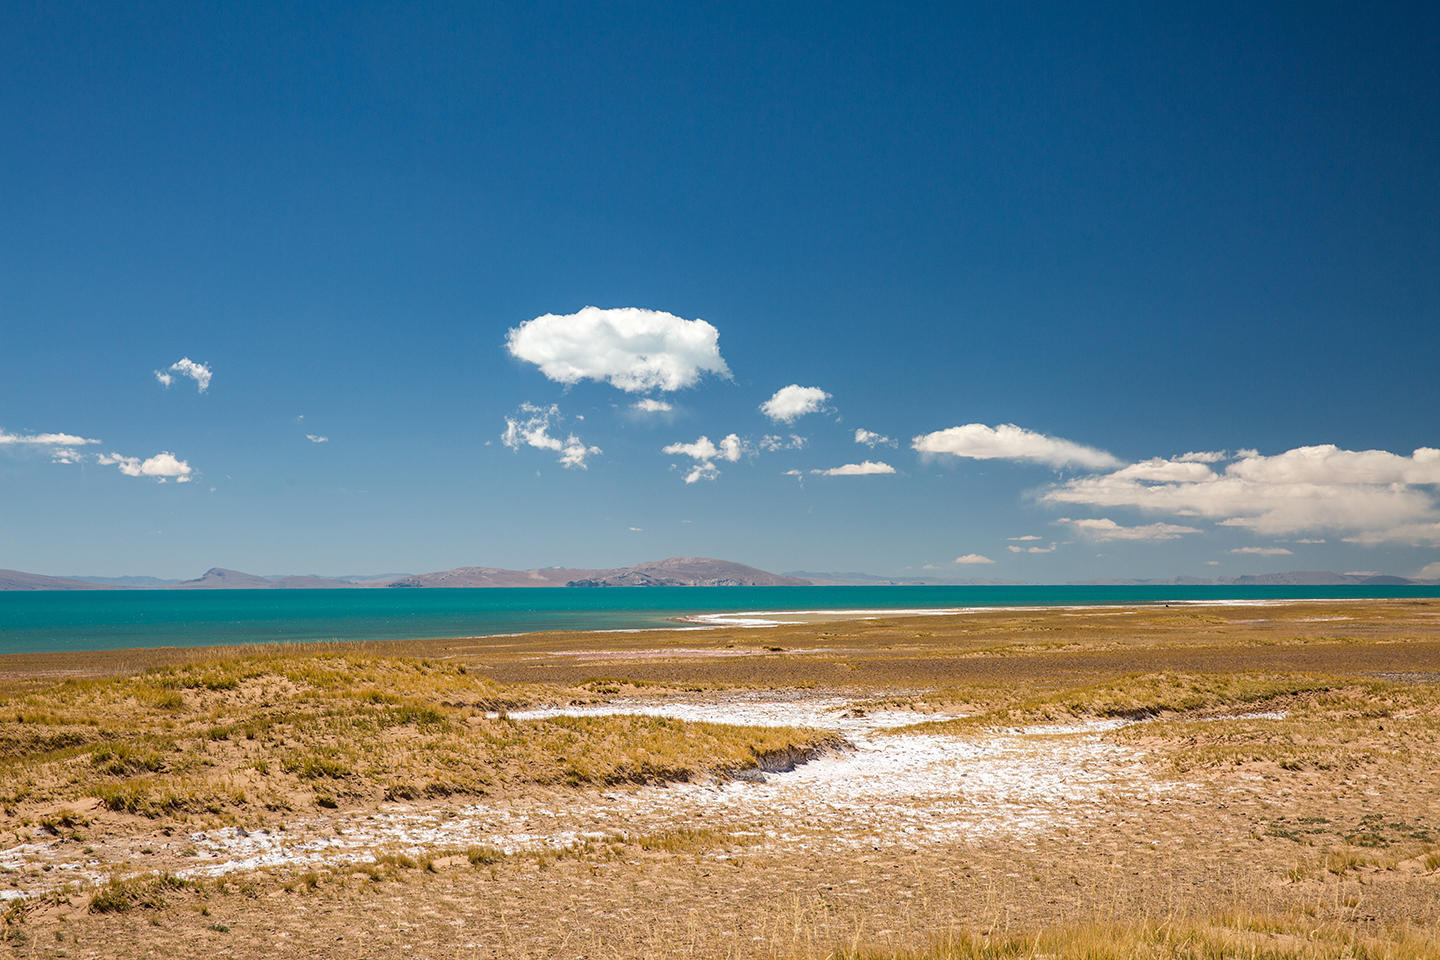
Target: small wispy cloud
650	405
1263	551
1103	528
316	438
867	468
43	439
773	441
1014	548
1026	538
976	441
705	452
162	467
872	439
62	447
530	427
185	367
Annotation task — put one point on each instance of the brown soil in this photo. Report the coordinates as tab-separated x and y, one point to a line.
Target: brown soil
1279	828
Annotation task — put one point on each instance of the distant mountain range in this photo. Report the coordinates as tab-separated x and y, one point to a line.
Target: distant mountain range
1297	578
673	572
834	578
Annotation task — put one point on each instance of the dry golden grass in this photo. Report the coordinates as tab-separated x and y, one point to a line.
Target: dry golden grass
1308	836
280	732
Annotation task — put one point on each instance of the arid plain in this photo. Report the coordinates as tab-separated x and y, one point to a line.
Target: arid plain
1184	781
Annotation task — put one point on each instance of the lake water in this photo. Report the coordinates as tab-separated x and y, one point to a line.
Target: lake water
112	619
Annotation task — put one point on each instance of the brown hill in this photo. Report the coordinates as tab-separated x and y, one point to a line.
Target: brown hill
674	572
218	578
19	580
704	572
492	577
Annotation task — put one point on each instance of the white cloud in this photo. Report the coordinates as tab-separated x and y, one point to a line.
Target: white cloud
1310	540
60	446
973	558
530	427
1018	549
636	529
186	367
1028	536
649	405
1264	551
316	438
792	402
1372	495
162	467
705	453
1204	456
1158	470
43	439
872	439
1412	533
1212	563
63	448
630	348
1430	571
868	468
704	470
1009	442
1103	528
773	441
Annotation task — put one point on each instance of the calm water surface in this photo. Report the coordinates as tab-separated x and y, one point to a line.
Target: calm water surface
111	619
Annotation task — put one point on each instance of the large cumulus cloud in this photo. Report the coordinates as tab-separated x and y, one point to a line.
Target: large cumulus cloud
630	348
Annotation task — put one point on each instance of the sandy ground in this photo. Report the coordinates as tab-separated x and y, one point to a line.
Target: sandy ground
885	786
890	841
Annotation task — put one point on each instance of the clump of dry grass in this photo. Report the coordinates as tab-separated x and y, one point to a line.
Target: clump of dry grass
123	895
1338	724
281	732
1141	696
681	840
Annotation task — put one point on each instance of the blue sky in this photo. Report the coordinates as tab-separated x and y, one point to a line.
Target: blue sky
1129	231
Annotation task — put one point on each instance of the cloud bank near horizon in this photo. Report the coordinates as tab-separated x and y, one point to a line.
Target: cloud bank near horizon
1371	497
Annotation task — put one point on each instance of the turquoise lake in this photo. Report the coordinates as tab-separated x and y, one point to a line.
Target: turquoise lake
113	619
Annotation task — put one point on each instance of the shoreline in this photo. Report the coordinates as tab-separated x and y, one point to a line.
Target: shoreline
693	625
764	618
